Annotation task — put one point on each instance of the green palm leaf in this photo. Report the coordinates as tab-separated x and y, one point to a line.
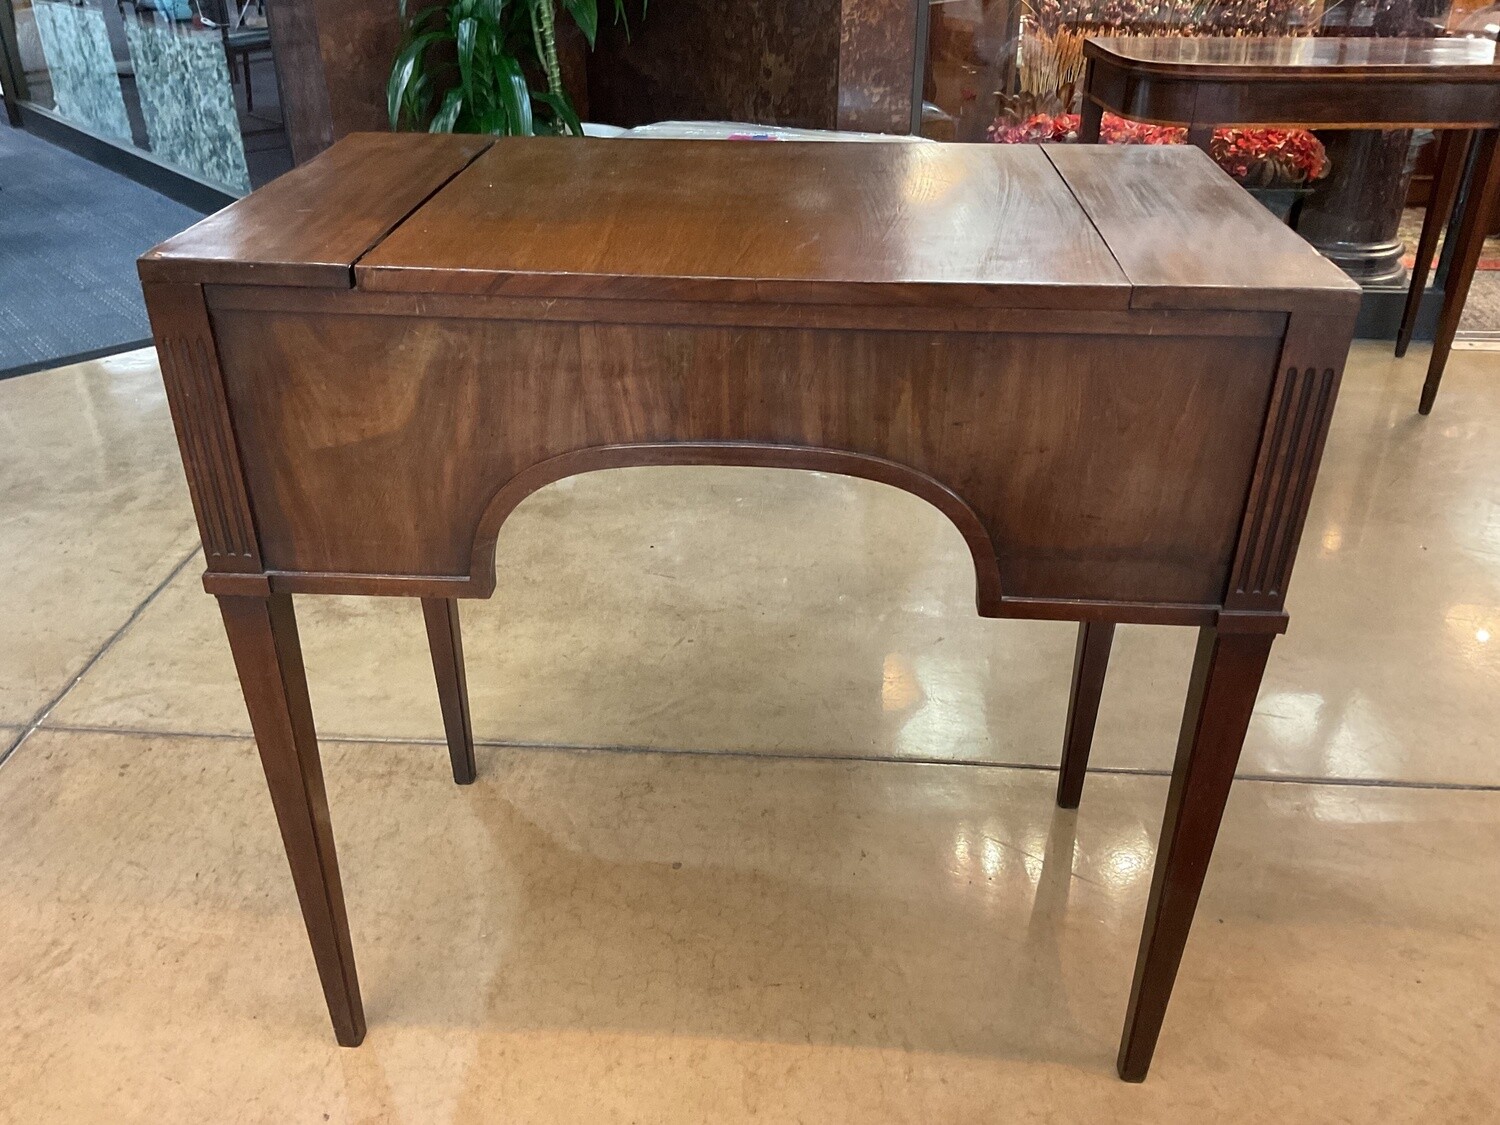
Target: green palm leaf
494	44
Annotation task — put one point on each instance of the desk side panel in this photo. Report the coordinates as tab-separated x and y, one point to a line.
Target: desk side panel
1104	466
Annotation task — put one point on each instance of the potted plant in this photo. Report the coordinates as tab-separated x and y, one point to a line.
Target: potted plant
487	66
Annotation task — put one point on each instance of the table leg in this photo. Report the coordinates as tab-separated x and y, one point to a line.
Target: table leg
1090	660
1453	148
263	637
1227	669
1478	206
447	646
1090	120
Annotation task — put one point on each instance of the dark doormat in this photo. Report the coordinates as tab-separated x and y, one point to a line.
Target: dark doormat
70	232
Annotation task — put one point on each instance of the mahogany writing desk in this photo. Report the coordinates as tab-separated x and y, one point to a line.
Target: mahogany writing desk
1452	85
1110	368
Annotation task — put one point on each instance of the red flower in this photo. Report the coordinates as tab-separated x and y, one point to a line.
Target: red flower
1254	157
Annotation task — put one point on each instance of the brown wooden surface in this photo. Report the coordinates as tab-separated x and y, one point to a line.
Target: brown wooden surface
1304	58
1090	662
1296	427
1483	197
333	58
1452	151
445	641
947	405
730	220
366	185
188	355
1158	236
306	112
1335	83
1119	431
1226	676
1338	83
268	656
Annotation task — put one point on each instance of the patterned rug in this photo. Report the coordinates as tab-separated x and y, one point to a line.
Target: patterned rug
1411	230
70	232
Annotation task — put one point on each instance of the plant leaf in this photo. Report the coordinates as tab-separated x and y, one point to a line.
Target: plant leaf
515	96
585	14
564	110
443	120
407	66
465	35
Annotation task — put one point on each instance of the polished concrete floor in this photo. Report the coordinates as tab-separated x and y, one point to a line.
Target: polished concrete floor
764	827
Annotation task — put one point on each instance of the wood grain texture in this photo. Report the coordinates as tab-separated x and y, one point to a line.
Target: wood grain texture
1090	662
1308	58
210	451
1452	154
1227	670
364	186
1311	365
301	83
1483	198
358	40
445	641
1337	83
1161	238
268	656
384	439
1120	429
1338	102
957	225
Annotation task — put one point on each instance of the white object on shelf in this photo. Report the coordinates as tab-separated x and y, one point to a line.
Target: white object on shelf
740	131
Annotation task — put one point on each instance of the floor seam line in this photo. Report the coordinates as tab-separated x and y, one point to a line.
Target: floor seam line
135	614
871	759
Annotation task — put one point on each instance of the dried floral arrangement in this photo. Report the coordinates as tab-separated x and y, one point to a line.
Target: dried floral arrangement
1053	31
1271	158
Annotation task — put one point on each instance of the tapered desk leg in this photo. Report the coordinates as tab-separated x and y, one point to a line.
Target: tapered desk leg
1478	206
1227	670
1090	120
268	656
1090	660
1453	149
446	643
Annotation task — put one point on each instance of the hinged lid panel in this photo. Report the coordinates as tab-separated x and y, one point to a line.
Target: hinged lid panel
771	221
1187	236
309	227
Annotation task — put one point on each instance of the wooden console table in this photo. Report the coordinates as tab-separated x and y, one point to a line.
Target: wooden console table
373	360
1327	83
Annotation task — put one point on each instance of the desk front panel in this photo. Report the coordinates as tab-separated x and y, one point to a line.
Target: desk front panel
1106	464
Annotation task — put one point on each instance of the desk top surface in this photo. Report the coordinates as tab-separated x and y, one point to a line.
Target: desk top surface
1301	57
1065	227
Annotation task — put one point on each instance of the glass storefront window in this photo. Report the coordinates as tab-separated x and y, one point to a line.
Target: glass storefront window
192	82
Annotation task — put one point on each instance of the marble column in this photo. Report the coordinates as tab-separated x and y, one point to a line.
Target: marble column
1353	215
